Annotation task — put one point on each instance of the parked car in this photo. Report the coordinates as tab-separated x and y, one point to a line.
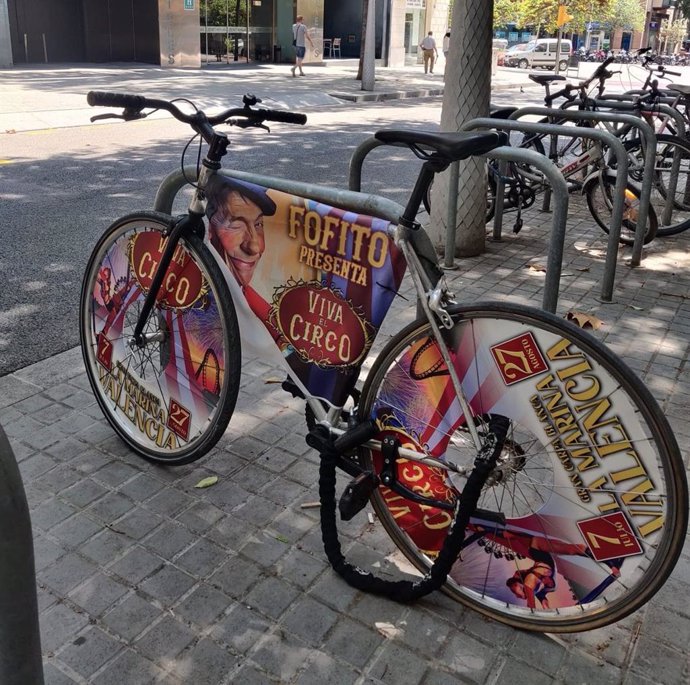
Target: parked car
510	51
541	53
501	45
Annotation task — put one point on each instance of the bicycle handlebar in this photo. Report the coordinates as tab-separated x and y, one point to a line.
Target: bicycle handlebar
136	103
600	72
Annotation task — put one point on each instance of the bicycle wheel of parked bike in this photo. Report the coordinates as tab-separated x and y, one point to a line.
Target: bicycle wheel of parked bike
676	218
600	191
171	399
585	514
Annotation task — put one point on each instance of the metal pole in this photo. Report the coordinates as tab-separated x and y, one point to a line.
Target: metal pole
369	62
448	259
246	43
20	654
206	27
227	32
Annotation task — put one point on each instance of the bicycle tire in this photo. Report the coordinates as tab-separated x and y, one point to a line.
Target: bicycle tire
529	177
665	150
171	400
547	472
600	191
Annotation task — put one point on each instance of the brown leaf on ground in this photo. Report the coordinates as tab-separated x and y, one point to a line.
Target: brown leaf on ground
584	320
540	268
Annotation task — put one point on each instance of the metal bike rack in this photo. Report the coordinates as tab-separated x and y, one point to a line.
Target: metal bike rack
20	655
618	202
663	105
620	153
373	205
621	103
506	153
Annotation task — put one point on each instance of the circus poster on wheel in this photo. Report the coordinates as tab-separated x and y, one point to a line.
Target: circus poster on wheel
576	505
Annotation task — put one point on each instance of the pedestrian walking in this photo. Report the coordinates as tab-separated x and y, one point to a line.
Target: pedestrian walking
428	46
300	34
446	45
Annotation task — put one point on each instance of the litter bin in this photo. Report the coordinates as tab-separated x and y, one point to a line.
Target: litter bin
277	49
574	63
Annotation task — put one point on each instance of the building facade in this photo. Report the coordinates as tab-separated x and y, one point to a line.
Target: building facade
175	33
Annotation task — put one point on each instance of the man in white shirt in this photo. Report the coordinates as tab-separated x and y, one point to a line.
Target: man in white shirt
428	46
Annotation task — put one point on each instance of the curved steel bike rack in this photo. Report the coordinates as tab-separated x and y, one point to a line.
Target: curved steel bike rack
648	170
621	180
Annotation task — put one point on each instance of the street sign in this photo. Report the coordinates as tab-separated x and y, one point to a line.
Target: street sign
189	4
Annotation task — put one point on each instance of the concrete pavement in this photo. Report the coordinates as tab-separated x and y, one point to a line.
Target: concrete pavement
143	578
37	98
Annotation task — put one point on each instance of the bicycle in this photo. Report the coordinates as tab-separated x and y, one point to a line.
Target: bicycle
496	442
584	163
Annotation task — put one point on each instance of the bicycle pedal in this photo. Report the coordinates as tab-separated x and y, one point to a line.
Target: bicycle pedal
356	494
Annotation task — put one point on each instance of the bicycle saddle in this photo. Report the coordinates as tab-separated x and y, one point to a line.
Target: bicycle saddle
452	146
496	112
543	79
679	88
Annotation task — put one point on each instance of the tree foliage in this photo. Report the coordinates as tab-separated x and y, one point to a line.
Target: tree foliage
542	14
222	12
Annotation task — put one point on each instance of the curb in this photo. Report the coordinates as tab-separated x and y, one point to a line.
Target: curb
387	95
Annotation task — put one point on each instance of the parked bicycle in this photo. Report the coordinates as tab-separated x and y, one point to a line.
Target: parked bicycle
512	458
584	163
589	168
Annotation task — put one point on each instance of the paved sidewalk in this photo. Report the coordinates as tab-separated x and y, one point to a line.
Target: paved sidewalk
143	578
38	97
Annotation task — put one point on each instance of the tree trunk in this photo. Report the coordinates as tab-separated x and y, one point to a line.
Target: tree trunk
466	96
363	39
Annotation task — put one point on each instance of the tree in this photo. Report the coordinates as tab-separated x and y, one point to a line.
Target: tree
684	7
626	14
505	12
220	10
673	33
466	96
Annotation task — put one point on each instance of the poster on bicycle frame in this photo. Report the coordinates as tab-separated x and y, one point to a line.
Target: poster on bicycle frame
310	283
318	278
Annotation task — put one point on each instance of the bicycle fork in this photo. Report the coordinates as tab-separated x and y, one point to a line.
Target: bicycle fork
191	223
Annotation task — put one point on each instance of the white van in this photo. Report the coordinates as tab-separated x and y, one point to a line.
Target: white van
541	53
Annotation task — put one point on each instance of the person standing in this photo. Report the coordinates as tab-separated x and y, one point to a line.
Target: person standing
430	51
300	35
446	45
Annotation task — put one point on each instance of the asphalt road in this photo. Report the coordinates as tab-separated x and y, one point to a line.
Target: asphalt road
62	187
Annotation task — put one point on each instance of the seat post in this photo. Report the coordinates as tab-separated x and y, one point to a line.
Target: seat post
432	166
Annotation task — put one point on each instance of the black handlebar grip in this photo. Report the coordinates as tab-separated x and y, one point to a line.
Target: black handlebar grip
673	73
285	117
97	98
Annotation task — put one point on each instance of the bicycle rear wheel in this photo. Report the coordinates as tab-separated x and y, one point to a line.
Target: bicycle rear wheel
600	191
589	494
171	399
679	219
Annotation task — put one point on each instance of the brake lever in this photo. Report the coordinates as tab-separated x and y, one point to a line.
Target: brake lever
247	123
127	115
97	117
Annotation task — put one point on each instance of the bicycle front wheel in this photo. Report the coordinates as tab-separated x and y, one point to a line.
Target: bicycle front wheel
171	399
585	513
